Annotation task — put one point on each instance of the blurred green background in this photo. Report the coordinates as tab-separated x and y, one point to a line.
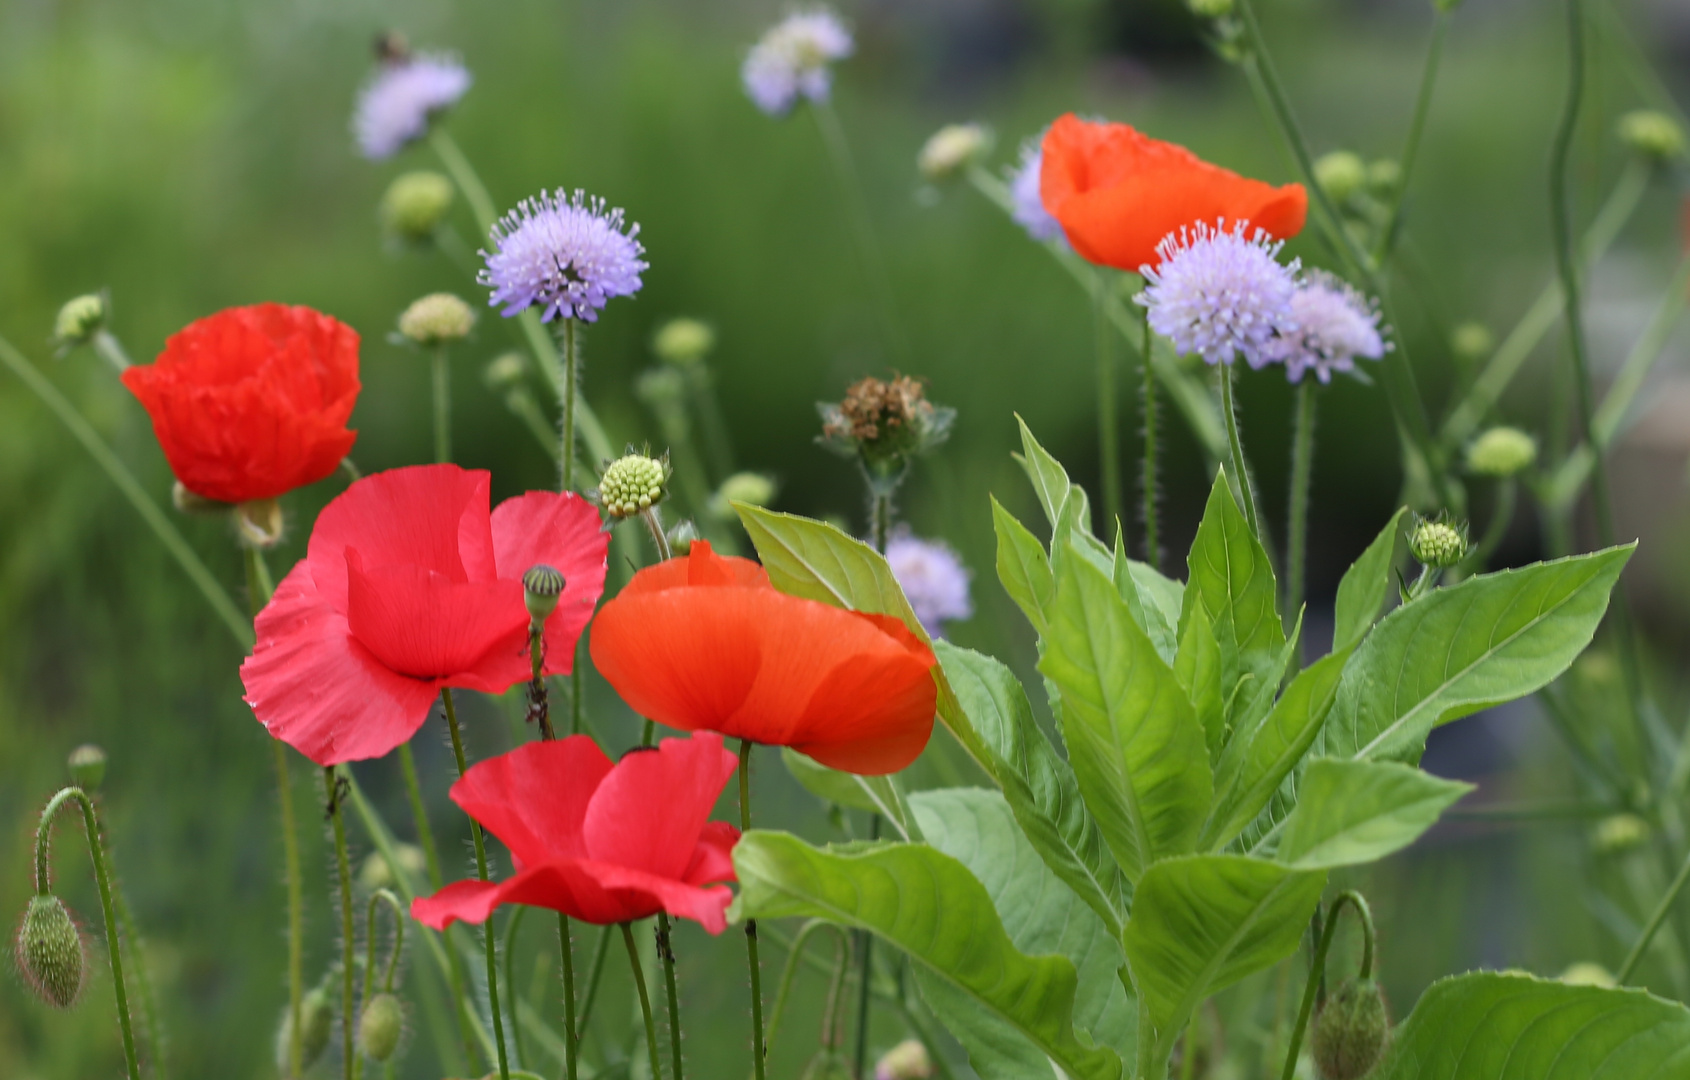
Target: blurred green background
192	154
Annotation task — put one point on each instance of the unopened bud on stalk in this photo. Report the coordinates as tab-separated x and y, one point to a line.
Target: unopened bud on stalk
192	502
375	873
1620	833
50	955
1501	452
906	1061
259	523
1654	135
632	484
381	1026
1384	176
1472	342
1340	174
87	767
683	342
753	489
79	320
681	536
506	372
1585	973
541	586
951	149
415	204
436	319
1438	544
661	386
316	1023
1351	1030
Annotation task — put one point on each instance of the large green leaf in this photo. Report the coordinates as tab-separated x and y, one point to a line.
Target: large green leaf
1133	738
1023	567
1488	1026
1455	651
1365	586
1039	912
929	905
1039	786
1050	479
1202	922
1198	668
1352	812
1154	600
876	794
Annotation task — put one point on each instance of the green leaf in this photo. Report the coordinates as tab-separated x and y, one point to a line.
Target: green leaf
1489	1026
1050	479
1197	666
1039	912
1023	567
1232	582
1133	738
876	794
1039	786
1203	922
1455	651
1272	751
1153	600
1353	812
1365	586
929	905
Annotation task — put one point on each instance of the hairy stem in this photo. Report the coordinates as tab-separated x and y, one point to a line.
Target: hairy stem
645	1000
1148	480
865	979
1317	973
666	952
343	865
758	1047
594	971
566	421
1297	519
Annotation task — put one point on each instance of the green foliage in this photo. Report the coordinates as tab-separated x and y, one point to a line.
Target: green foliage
1197	666
874	794
1351	812
1023	567
1366	585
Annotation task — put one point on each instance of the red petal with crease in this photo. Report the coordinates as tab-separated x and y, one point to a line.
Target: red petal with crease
591	892
423	624
535	798
625	824
565	533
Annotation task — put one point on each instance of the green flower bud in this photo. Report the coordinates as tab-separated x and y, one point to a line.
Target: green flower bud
259	523
1351	1030
681	536
1383	176
415	204
541	586
1210	9
436	319
1438	544
1619	833
87	766
951	149
79	319
50	955
661	386
375	874
1585	973
316	1024
1654	135
1340	174
906	1061
683	342
191	502
381	1026
1472	342
506	372
632	484
1501	452
753	489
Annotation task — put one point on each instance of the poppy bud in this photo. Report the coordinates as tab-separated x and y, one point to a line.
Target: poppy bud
380	1027
1340	174
951	149
1501	452
259	522
683	342
79	319
1351	1030
906	1061
506	372
87	766
1654	135
1438	544
436	319
1472	342
541	586
415	204
316	1023
49	952
753	489
187	501
1620	833
632	484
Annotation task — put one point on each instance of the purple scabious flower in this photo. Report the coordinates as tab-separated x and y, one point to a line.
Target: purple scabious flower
932	577
394	108
564	255
1221	294
1335	324
1027	204
791	60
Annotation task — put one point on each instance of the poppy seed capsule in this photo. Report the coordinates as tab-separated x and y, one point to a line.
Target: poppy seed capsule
49	952
79	319
316	1023
632	484
1472	342
380	1027
436	319
1437	544
87	766
541	586
1351	1030
414	205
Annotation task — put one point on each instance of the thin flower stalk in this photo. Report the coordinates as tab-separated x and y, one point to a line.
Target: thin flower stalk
1416	131
666	953
1108	436
442	405
645	1001
1241	476
759	1048
862	228
1297	515
1148	471
1317	970
343	865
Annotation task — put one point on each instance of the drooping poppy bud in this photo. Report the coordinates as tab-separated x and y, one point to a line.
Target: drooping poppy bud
87	766
316	1023
381	1027
1351	1030
50	954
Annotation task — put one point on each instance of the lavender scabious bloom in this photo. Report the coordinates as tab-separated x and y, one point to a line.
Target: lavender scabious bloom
791	61
1221	294
933	579
1027	204
564	255
394	107
1335	324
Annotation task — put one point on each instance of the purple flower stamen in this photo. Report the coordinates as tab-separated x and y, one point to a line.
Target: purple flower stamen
1221	294
791	60
933	579
395	107
1335	324
565	255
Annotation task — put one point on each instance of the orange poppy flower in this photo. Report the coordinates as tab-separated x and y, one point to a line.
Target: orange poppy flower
705	643
1118	192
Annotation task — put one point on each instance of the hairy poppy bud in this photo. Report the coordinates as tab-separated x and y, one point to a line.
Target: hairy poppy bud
1437	544
1501	452
1340	174
1472	342
259	522
87	766
1351	1030
316	1023
1654	135
79	319
632	484
506	372
415	204
683	342
951	149
906	1061
436	319
49	952
541	586
380	1027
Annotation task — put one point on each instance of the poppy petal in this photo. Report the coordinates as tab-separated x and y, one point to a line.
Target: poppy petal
712	860
565	533
593	892
423	624
535	797
649	812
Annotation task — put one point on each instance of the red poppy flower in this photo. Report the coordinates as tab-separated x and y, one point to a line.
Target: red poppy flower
706	643
408	585
599	842
252	402
1117	193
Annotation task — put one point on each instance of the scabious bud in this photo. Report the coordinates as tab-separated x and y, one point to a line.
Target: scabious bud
1438	544
1351	1030
87	766
951	149
381	1026
1472	342
316	1023
50	955
1620	833
1340	174
751	488
506	372
661	387
415	204
683	342
541	586
632	484
1654	135
79	319
1501	452
436	319
885	424
906	1061
1384	176
1585	973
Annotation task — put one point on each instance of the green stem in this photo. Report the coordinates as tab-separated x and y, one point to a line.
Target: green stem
1108	437
1649	930
442	406
1317	974
652	519
343	865
571	1036
1297	518
1240	475
645	1000
666	952
463	174
594	971
539	704
758	1047
566	422
111	350
512	926
1416	129
102	878
1152	526
795	953
167	534
865	979
881	510
717	445
144	990
377	898
856	205
487	937
1501	516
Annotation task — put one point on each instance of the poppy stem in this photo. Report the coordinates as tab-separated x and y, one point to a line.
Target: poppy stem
1297	518
566	423
666	950
382	896
595	971
539	700
645	1000
1241	477
331	792
442	407
571	1040
1108	438
865	976
1317	970
758	1047
481	873
1152	524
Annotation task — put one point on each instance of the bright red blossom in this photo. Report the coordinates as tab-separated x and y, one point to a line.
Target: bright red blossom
706	643
409	585
599	842
252	402
1118	192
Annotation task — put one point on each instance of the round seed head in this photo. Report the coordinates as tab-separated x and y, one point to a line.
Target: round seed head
1340	174
1654	135
951	149
683	342
541	587
1472	342
79	319
415	204
506	372
1437	544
